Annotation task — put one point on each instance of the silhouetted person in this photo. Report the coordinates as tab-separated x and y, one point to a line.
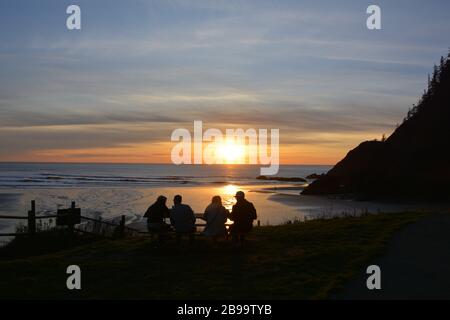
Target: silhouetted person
216	217
155	215
242	214
183	219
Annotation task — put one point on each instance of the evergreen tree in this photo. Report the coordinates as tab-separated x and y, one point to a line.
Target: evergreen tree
435	78
440	75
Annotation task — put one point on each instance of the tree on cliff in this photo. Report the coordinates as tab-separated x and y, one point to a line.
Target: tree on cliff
414	161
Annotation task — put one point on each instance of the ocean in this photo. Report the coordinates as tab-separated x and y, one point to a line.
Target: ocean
82	175
112	190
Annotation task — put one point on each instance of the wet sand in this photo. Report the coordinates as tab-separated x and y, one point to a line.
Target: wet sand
323	206
275	204
111	203
8	203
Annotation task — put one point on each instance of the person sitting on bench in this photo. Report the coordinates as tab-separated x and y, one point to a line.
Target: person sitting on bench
216	217
183	219
242	214
155	215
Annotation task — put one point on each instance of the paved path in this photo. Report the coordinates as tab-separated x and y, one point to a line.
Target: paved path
416	264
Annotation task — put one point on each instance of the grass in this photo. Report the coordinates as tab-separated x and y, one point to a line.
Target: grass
297	261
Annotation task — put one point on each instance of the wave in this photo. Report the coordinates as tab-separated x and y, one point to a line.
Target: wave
19	175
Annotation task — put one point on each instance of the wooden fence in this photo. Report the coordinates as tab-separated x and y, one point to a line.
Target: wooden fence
72	219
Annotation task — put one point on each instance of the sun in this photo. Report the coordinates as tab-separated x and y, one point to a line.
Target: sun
231	152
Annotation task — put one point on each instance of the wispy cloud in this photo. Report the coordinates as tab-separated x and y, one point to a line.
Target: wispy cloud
137	71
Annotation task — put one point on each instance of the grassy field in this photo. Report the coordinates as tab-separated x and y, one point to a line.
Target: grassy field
298	261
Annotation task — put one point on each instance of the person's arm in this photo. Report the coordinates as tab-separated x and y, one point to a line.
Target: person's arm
226	214
194	219
147	212
171	217
167	212
233	213
254	215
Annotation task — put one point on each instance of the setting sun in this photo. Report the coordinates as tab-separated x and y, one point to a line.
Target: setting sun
231	152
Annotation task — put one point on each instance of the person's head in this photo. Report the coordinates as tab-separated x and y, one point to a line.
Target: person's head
216	200
240	195
161	200
177	199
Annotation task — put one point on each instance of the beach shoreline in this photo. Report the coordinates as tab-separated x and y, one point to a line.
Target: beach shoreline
111	203
276	204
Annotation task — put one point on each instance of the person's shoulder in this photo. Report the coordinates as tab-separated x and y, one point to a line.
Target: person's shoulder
250	205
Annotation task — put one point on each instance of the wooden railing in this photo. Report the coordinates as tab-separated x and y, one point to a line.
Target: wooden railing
119	229
32	218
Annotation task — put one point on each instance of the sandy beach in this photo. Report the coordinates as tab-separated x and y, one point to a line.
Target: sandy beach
275	204
111	203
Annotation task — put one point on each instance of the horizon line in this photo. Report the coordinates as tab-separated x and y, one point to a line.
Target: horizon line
158	163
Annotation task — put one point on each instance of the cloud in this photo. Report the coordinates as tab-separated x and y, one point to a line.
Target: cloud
310	69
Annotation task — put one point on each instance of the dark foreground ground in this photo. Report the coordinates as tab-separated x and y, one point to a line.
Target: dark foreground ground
416	264
312	260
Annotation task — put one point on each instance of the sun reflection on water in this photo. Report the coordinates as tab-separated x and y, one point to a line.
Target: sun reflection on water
227	194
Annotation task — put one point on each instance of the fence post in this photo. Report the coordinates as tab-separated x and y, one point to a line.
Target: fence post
71	226
122	226
32	218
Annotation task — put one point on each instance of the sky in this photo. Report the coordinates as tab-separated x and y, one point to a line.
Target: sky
137	70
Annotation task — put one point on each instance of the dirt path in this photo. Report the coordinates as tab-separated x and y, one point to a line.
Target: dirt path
416	265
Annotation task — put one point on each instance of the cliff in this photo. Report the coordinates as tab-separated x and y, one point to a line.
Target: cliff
413	162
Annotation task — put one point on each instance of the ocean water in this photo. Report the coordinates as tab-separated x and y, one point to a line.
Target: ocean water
111	190
58	175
